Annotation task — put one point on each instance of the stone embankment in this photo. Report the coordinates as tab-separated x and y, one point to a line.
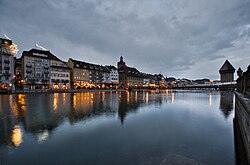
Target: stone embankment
242	116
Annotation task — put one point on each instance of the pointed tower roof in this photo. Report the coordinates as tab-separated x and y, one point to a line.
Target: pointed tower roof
121	58
227	67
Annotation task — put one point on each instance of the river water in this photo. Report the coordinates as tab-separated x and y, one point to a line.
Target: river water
117	127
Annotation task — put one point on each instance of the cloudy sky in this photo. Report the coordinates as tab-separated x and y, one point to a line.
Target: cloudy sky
180	38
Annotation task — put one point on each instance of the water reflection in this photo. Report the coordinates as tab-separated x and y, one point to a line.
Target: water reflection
172	121
210	98
17	136
226	102
172	97
42	136
55	101
85	105
40	114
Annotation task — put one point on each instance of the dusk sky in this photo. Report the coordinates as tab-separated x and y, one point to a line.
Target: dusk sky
180	38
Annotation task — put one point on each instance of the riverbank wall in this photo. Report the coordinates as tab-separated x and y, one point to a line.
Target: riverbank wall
242	116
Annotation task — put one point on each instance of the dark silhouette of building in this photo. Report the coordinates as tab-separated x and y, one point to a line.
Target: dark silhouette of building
243	81
18	82
128	76
227	72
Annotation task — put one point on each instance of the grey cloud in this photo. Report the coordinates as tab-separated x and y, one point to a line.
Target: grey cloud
154	36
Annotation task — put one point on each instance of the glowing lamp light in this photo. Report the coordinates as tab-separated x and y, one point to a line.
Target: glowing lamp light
56	87
13	48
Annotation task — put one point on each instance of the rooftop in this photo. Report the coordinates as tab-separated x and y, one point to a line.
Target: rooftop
227	67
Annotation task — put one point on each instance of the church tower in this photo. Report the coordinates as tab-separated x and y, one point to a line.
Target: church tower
121	63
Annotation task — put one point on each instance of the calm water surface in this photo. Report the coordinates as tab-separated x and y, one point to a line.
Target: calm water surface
117	127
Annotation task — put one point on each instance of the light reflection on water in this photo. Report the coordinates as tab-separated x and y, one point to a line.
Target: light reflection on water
139	127
17	136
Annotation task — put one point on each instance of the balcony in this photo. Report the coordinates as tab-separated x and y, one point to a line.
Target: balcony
6	61
46	72
6	68
6	74
28	71
46	67
28	65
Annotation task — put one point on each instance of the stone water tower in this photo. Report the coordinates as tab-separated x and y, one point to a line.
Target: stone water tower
227	72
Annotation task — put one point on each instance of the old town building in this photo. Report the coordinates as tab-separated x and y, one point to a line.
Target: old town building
6	64
114	76
149	80
128	76
18	81
41	69
87	75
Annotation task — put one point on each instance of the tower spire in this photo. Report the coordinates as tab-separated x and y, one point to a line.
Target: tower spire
121	58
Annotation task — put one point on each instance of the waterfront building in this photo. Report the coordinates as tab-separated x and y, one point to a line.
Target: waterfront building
17	66
227	72
41	69
114	75
160	80
59	75
128	76
87	75
6	64
148	80
18	81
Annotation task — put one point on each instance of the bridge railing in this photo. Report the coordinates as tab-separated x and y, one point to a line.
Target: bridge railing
209	84
243	82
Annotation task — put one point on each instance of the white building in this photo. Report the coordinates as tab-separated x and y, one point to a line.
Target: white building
114	76
41	69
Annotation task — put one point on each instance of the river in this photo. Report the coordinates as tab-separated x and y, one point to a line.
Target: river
127	128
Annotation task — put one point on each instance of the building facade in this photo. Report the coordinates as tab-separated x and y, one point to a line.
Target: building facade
87	75
114	75
6	64
59	75
41	69
128	76
18	80
227	72
149	80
